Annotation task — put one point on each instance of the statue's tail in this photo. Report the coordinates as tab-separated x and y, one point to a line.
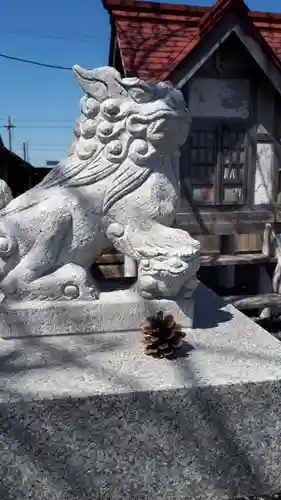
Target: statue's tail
7	243
5	194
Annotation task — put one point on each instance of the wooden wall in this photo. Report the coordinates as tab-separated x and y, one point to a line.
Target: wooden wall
112	264
243	243
228	96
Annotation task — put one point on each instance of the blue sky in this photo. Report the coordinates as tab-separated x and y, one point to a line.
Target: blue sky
43	103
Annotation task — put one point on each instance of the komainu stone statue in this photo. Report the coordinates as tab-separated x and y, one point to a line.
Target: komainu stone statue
119	184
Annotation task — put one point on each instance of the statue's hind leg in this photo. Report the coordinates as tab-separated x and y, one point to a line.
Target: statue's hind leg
37	274
41	259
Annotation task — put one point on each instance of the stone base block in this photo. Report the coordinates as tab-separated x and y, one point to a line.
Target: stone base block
91	417
113	312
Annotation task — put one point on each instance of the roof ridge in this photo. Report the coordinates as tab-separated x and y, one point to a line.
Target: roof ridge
163	38
154	7
166	7
219	8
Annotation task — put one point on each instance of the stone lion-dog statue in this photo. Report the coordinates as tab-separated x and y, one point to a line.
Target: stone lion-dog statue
119	185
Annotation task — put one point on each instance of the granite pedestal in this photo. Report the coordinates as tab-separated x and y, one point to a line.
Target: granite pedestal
91	417
115	311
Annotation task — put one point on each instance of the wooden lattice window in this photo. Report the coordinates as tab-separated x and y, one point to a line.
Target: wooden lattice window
233	166
203	165
214	169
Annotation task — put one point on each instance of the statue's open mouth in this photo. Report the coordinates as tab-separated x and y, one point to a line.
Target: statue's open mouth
165	113
159	115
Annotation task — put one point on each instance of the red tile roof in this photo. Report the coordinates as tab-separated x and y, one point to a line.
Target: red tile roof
155	37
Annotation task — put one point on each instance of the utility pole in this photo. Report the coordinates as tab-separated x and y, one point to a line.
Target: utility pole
26	158
27	152
24	151
9	127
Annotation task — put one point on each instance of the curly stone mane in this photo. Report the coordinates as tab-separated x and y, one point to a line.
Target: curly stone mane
123	127
122	132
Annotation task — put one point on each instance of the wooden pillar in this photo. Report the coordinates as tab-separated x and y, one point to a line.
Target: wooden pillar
264	173
227	273
130	267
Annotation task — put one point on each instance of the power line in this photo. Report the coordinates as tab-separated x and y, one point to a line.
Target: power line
46	126
41	150
44	145
50	120
85	39
36	63
31	121
43	126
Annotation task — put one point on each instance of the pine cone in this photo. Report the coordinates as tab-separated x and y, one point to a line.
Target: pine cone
162	336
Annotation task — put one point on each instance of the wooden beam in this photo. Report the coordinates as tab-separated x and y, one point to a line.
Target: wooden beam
205	260
264	61
220	222
202	52
110	258
254	301
235	260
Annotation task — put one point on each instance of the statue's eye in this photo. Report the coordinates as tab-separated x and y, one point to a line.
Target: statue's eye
179	266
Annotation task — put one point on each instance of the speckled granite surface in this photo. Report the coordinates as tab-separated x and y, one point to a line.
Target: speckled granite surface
113	312
90	417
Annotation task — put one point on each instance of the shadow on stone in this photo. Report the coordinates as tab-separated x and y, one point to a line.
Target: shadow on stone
6	360
35	353
70	449
212	319
185	350
163	444
214	311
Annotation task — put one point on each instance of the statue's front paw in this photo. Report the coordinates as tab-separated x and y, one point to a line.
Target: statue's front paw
148	287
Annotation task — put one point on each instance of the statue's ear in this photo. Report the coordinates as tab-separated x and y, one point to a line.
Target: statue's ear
99	83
